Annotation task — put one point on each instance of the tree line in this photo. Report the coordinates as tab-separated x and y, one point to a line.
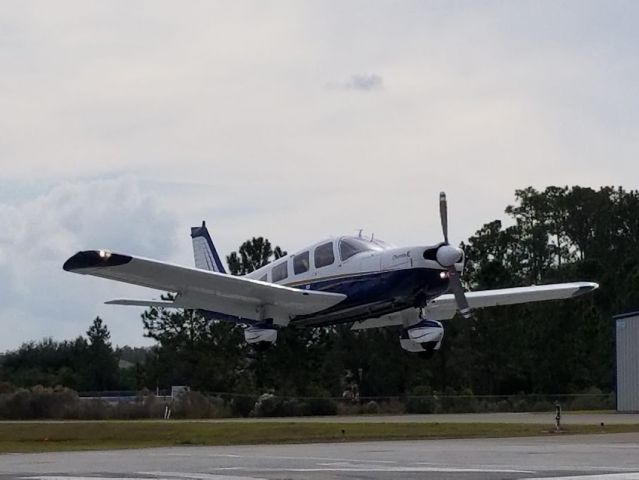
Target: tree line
553	235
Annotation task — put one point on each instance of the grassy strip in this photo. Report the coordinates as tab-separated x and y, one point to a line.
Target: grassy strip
47	437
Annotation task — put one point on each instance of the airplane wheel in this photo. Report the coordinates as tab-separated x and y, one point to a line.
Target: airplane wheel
262	346
429	350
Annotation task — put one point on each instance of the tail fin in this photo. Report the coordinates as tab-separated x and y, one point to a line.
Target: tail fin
204	252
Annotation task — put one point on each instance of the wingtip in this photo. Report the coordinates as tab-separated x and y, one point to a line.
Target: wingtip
585	287
94	259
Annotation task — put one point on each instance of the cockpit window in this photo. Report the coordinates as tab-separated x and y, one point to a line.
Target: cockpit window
349	246
301	263
324	255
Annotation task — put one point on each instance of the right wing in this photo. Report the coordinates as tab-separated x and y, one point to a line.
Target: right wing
444	306
199	289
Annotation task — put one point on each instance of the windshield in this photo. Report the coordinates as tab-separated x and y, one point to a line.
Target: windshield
349	246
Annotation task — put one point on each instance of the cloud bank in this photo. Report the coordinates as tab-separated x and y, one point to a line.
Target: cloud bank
38	298
122	125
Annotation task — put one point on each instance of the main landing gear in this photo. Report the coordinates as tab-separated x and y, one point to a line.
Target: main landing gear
260	338
424	337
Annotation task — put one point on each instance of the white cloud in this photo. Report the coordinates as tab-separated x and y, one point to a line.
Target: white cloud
219	110
38	298
363	82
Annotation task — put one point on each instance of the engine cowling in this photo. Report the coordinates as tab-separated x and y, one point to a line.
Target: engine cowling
426	336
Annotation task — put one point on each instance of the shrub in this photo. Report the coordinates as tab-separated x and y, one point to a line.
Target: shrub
371	407
421	400
6	387
348	408
191	404
94	409
292	407
542	406
465	402
322	406
392	407
592	399
241	406
267	405
39	402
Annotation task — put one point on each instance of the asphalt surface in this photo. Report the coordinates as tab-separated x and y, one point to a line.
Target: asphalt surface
541	418
609	457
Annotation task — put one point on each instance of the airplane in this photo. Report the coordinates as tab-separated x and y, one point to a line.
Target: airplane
361	281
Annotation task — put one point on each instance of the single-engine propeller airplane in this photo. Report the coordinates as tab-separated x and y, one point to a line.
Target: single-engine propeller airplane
348	279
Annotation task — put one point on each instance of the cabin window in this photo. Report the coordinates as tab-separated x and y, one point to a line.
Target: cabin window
280	272
324	255
301	263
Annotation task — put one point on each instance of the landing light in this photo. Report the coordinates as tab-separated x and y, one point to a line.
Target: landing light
443	275
104	254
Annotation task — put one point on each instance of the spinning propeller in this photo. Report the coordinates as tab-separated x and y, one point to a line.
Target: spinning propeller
447	256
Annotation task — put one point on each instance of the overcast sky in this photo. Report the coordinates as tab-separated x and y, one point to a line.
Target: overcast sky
123	123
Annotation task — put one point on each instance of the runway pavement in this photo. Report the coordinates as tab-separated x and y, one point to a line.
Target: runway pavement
541	418
609	457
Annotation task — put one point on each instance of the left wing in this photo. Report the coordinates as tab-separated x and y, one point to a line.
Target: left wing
200	289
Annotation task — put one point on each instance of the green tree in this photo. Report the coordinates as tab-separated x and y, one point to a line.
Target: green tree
102	365
193	350
253	254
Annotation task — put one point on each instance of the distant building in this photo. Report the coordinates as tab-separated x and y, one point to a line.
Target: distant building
627	361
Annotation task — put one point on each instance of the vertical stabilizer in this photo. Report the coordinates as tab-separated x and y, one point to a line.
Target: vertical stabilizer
204	252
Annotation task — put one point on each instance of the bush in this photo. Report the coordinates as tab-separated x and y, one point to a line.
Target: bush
592	399
39	402
241	406
392	407
191	404
542	406
322	406
371	407
464	403
421	400
348	408
267	405
6	387
94	409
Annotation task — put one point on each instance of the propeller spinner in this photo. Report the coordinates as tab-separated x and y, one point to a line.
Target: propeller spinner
447	256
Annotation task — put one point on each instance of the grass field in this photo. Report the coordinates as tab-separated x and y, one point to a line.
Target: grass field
46	437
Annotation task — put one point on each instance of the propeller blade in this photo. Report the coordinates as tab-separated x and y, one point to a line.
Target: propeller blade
458	291
443	214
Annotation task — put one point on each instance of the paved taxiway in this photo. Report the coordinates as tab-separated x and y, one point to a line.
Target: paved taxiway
609	457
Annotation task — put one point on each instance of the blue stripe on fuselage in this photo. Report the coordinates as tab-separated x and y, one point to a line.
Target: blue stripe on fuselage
377	292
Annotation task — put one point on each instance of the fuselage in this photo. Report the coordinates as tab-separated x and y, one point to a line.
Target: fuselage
377	278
